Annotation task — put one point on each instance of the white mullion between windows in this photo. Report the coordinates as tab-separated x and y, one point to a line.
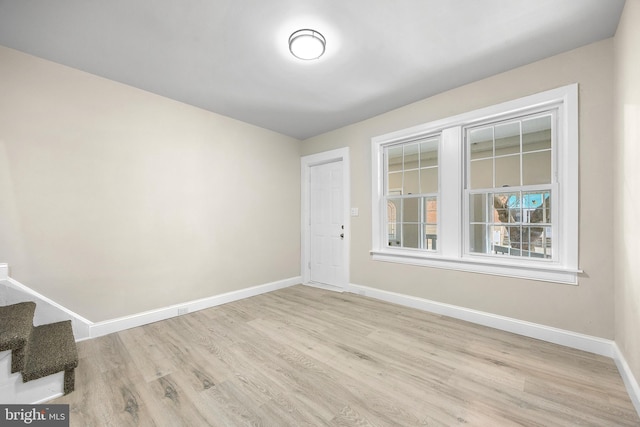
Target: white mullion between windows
449	225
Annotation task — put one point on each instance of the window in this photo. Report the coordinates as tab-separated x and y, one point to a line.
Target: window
509	187
411	193
491	191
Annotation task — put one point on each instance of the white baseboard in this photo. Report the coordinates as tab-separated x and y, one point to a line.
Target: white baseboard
98	329
575	340
86	329
630	382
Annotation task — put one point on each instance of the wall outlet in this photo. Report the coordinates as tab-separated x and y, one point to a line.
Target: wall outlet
355	211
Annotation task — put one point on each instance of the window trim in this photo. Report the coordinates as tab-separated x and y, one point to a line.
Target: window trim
451	253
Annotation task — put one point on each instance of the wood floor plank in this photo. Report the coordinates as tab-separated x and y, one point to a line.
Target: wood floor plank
304	356
149	357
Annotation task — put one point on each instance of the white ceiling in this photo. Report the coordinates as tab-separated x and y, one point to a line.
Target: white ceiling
231	56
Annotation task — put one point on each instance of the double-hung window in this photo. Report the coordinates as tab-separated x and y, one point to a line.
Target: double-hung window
411	194
510	189
491	191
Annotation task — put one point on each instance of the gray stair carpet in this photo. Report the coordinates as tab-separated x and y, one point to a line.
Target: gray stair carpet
16	323
51	349
38	351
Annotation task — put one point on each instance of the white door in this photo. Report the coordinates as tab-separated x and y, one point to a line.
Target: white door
326	224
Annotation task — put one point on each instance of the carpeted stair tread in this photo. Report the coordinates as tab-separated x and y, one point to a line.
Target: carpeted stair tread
51	349
16	322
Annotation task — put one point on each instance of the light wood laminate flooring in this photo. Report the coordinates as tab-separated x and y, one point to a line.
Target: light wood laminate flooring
303	356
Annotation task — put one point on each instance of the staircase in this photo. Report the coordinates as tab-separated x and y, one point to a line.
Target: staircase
34	354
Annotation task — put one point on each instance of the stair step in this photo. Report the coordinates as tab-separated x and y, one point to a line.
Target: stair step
16	322
51	349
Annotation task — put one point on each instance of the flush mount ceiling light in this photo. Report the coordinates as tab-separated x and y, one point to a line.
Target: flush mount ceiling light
307	44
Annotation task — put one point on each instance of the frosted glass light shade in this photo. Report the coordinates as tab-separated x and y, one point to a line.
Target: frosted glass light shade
307	44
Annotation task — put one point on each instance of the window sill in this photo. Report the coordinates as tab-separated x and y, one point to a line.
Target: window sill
546	272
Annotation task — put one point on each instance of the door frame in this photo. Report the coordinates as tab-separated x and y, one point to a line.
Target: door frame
307	162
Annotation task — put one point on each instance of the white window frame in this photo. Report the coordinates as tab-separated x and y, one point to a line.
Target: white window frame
431	194
452	248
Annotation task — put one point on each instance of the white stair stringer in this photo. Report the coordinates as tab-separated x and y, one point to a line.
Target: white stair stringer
14	391
47	311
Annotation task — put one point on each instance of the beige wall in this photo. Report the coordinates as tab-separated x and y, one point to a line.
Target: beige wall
115	201
587	308
627	186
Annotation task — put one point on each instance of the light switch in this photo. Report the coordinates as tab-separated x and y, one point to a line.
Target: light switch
355	212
